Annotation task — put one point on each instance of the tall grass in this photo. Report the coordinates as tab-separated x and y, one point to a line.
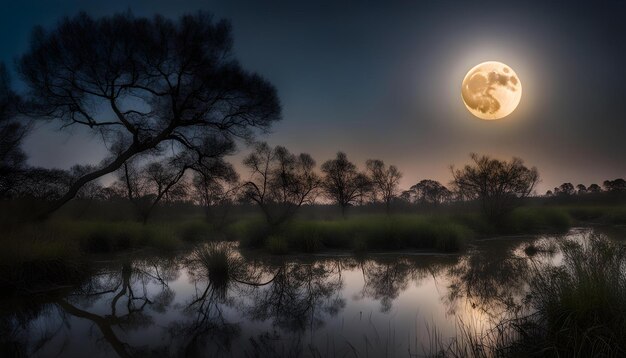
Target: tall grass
219	262
68	240
366	232
33	259
524	220
610	215
577	309
537	219
583	302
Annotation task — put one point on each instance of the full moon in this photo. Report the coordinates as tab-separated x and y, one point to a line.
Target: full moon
491	90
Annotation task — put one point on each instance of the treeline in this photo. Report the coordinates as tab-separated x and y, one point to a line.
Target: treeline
169	102
567	189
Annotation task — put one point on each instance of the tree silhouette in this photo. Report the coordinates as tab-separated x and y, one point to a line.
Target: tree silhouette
12	133
214	187
300	295
144	85
566	189
280	181
617	185
429	192
148	185
42	184
499	185
384	180
342	183
594	188
581	189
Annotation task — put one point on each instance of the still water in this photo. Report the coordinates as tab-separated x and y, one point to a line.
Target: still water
324	305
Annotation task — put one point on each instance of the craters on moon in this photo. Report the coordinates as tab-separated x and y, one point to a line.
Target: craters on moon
487	86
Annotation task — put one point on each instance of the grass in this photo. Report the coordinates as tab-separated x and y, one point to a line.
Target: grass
577	309
64	239
34	258
219	262
537	219
53	253
582	304
109	237
277	245
600	214
442	232
366	232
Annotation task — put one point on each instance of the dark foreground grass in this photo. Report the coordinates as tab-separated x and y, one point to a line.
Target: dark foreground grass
366	232
524	220
608	215
582	304
62	243
56	253
440	232
578	309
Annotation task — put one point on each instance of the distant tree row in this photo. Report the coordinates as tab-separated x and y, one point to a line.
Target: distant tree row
567	189
169	102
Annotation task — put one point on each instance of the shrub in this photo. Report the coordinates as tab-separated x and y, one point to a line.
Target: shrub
249	232
219	262
195	231
535	220
377	232
277	245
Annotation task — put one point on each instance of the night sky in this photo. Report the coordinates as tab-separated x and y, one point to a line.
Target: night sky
382	79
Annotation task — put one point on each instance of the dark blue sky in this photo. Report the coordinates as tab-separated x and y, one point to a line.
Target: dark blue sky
382	79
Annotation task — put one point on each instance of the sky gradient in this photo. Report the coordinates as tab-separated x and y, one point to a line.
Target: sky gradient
383	79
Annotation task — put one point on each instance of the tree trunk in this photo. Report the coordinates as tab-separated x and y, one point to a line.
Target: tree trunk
80	182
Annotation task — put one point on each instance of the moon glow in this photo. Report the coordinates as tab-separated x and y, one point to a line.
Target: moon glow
491	90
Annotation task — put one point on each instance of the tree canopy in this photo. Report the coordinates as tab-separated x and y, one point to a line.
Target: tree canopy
146	86
497	184
342	183
280	181
12	133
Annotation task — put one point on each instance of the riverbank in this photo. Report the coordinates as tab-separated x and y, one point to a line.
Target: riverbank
62	248
496	298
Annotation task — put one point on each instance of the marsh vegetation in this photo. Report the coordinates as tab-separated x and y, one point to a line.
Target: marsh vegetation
164	248
496	299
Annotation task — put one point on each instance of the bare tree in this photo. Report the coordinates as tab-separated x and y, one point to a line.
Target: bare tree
12	133
384	181
144	86
43	184
499	185
216	187
342	183
280	181
148	185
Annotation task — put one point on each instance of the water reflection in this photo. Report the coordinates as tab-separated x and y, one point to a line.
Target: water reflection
385	278
123	295
156	306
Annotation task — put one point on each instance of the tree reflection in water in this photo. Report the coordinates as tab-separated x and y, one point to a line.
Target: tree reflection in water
494	278
299	295
385	278
126	289
264	306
